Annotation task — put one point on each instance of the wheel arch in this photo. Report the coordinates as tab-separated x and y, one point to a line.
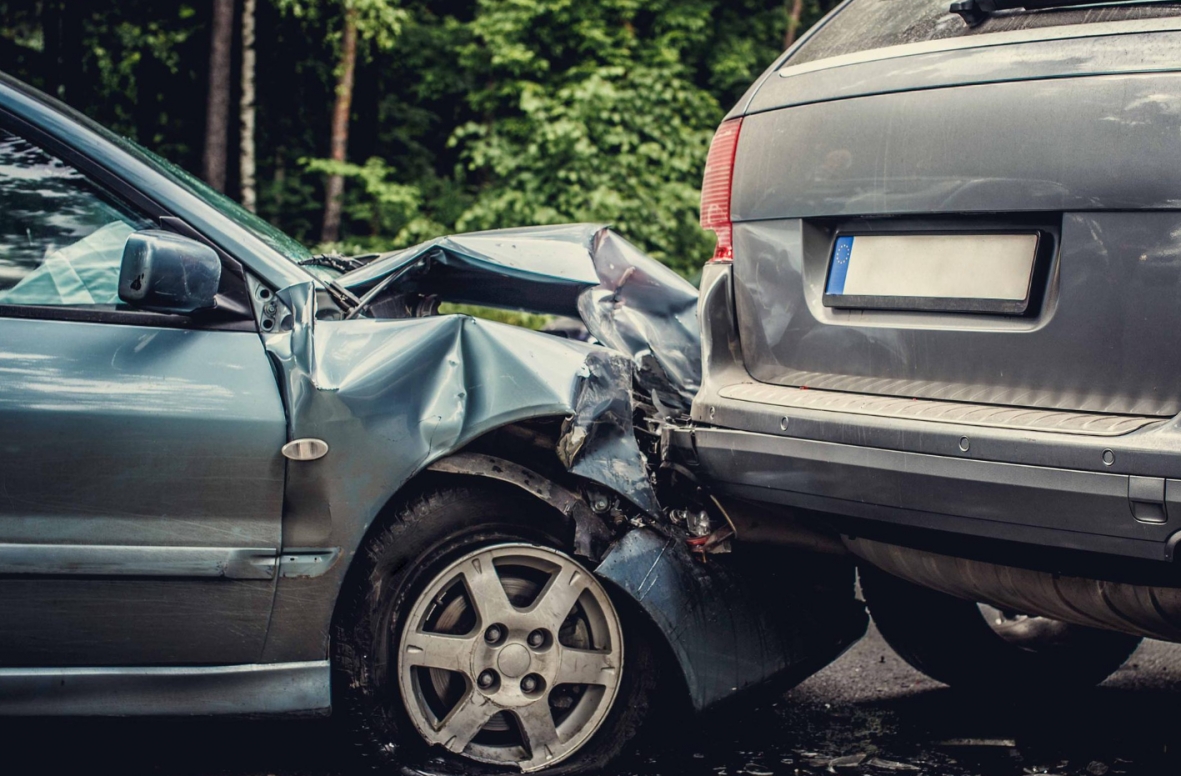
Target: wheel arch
525	463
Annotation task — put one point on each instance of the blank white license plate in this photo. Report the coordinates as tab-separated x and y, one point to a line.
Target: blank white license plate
984	273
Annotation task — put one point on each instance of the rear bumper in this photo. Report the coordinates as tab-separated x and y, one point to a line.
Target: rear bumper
1062	508
1117	495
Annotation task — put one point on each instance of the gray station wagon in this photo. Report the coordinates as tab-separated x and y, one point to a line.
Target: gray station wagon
238	478
938	329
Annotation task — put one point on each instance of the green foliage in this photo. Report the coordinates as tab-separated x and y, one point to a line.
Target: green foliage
467	114
379	21
621	146
384	203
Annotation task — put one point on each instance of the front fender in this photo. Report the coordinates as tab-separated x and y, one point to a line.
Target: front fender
389	397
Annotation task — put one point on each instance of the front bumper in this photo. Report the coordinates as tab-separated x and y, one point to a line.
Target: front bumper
1117	495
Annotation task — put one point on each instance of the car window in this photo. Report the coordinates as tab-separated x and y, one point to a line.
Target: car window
61	238
869	24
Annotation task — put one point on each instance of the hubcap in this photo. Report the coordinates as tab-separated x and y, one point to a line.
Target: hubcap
547	696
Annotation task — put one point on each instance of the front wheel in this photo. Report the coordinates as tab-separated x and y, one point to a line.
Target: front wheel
973	646
475	641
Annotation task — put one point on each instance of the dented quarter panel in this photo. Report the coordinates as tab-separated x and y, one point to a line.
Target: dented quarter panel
391	396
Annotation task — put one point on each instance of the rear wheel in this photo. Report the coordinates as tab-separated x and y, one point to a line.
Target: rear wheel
470	638
974	646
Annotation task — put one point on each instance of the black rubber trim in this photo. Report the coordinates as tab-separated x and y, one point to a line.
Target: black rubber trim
128	316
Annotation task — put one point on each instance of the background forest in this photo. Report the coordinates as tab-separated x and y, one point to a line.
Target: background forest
372	124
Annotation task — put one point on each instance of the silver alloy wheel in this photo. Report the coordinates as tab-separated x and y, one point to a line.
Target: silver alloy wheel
511	656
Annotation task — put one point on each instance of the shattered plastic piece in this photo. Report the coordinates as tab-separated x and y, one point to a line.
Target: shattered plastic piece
628	301
892	766
848	762
999	742
1096	768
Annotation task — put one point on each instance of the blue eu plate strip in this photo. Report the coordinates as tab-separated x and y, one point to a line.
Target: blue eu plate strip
840	265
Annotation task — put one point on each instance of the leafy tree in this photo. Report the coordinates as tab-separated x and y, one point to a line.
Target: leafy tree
378	21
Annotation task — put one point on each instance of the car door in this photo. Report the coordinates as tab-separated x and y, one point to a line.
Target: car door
140	468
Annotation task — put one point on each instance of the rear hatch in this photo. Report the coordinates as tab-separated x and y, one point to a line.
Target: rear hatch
985	214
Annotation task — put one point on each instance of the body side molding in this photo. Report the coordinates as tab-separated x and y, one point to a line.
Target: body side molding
139	561
273	688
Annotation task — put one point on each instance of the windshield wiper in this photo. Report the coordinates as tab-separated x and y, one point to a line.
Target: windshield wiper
346	300
975	12
341	264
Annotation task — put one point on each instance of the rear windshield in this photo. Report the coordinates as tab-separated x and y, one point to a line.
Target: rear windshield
868	24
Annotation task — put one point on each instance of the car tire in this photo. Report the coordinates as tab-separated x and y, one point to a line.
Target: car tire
952	641
420	564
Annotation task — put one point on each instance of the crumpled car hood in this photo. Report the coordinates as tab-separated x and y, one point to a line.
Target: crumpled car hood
627	300
390	395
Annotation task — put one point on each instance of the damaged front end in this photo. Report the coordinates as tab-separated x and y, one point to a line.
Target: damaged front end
579	425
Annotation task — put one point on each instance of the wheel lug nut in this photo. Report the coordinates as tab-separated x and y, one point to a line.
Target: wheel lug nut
494	634
486	680
529	683
536	639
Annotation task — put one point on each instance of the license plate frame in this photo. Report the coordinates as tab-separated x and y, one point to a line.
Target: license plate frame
960	272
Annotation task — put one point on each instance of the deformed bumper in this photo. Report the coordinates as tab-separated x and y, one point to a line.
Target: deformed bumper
1062	508
736	625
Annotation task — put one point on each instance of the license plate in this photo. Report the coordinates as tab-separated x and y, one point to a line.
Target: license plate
979	273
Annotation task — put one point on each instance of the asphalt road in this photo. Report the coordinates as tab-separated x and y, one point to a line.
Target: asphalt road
868	713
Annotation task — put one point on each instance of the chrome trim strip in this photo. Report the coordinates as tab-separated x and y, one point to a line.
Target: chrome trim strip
138	561
274	688
991	40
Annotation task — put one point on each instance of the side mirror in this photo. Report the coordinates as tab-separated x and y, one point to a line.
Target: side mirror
167	273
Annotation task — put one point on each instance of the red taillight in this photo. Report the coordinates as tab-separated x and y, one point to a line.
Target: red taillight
715	188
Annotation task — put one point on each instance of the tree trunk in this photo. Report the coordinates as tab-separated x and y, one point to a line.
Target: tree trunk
62	34
334	188
280	183
52	21
71	90
246	110
794	16
217	112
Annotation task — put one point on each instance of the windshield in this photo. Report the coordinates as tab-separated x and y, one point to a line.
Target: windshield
870	24
264	230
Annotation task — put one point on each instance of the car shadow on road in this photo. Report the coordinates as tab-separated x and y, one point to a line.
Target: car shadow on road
868	713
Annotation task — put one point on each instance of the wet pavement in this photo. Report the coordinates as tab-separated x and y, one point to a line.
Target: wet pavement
868	713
